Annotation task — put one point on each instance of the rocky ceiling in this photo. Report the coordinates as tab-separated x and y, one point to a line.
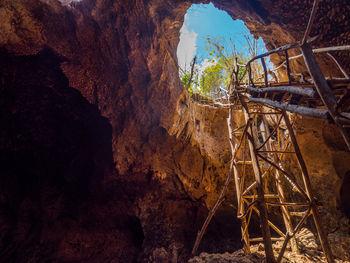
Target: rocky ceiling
103	157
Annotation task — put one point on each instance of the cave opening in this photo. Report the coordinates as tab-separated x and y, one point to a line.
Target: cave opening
206	27
209	37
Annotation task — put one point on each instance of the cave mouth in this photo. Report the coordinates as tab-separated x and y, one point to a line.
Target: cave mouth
205	29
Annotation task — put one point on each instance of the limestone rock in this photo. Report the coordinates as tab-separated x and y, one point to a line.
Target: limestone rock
104	157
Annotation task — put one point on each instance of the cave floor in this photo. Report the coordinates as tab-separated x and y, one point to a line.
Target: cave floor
310	252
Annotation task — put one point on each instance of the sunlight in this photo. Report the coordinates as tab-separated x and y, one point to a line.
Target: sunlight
204	27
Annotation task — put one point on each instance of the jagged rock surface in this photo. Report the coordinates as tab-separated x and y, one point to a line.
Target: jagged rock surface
104	157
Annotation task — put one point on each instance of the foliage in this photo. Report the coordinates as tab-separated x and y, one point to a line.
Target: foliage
185	77
214	80
216	77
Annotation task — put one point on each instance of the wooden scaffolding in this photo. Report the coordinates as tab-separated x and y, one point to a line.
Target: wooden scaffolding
261	146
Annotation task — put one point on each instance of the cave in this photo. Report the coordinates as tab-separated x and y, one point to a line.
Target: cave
105	157
345	196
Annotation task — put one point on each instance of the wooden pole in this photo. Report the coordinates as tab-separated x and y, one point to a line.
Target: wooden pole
276	50
265	72
323	89
288	67
311	21
340	66
322	235
285	213
270	258
238	181
310	92
318	50
240	203
312	112
289	236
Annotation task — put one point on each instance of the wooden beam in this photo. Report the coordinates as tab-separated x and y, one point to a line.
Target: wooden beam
290	235
322	235
281	195
265	72
288	67
316	113
259	239
346	75
288	177
321	84
317	50
265	230
311	21
310	92
272	225
323	89
276	50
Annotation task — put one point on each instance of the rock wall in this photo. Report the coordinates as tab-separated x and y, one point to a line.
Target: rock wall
104	157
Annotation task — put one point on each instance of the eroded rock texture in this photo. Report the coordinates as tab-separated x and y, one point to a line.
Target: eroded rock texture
104	158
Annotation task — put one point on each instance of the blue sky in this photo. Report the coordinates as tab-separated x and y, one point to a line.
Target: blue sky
202	20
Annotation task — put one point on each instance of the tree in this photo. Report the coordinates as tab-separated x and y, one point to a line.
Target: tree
214	79
189	78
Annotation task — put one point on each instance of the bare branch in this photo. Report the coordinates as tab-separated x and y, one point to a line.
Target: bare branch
192	70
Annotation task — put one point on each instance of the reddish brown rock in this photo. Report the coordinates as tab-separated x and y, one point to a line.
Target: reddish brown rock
104	158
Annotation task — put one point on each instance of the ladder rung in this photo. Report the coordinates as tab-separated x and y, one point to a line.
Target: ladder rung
244	162
301	214
265	195
286	204
249	162
259	239
262	151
